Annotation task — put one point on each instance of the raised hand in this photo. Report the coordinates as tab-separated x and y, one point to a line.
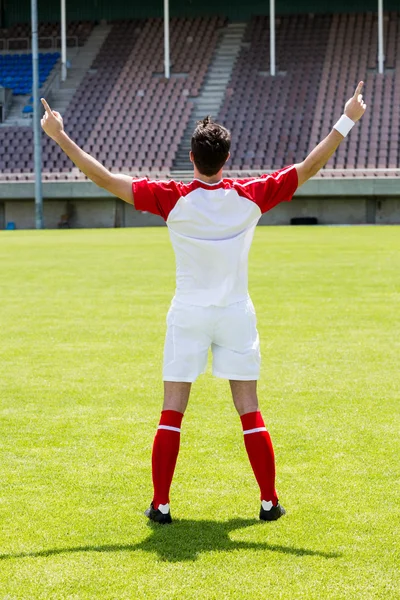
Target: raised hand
355	107
52	122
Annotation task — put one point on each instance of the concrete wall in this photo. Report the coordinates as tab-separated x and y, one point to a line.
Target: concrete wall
388	211
352	201
93	213
2	215
328	211
22	213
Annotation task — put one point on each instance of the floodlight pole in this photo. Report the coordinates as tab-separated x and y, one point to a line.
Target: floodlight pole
63	41
381	55
272	36
166	40
36	119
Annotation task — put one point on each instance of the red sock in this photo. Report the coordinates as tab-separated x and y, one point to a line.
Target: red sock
165	454
261	454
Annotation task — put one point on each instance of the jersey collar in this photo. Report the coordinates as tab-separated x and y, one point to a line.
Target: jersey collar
205	184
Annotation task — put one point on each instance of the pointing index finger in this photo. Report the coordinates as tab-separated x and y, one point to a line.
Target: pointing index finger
46	106
358	89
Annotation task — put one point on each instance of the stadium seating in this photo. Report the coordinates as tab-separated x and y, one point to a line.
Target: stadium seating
320	59
132	119
144	116
16	71
271	118
125	112
18	37
353	49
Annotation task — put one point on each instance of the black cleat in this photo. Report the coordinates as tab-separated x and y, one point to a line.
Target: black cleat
154	514
275	513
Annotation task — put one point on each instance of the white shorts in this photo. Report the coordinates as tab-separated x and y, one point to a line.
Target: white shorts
230	331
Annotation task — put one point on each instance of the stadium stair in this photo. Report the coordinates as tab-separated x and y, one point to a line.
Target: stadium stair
80	64
212	93
15	117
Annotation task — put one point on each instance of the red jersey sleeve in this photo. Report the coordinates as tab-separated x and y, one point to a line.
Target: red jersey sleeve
157	197
269	190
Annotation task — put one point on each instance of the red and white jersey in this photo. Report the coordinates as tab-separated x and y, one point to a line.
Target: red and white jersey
211	228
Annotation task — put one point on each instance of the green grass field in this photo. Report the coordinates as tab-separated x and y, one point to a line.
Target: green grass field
82	329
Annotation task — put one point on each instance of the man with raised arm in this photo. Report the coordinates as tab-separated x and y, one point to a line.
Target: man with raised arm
211	222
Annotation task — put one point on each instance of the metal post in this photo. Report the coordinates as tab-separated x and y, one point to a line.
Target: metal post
166	39
272	36
381	55
36	119
63	42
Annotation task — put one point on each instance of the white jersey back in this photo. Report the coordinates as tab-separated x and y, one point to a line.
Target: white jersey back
211	228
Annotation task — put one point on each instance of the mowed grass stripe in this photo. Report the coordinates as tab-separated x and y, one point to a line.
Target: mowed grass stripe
82	330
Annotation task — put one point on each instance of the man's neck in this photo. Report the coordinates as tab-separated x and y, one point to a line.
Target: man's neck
213	179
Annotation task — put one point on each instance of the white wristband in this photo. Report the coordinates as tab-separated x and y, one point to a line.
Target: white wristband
344	125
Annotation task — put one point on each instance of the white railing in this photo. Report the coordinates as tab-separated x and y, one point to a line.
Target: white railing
55	42
360	172
324	173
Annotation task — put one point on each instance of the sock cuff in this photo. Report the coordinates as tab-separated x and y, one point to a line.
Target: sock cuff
252	421
171	418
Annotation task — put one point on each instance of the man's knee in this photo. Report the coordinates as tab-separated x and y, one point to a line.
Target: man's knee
244	394
176	395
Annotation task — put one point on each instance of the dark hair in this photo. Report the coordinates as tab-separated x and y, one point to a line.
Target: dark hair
210	146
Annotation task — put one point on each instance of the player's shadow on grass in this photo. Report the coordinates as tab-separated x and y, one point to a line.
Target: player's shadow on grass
185	539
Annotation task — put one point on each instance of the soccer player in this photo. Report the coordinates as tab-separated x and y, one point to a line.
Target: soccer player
211	222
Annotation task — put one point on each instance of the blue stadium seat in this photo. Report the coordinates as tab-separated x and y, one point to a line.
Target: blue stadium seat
16	70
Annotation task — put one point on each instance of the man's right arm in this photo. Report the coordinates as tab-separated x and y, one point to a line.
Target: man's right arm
318	158
118	184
